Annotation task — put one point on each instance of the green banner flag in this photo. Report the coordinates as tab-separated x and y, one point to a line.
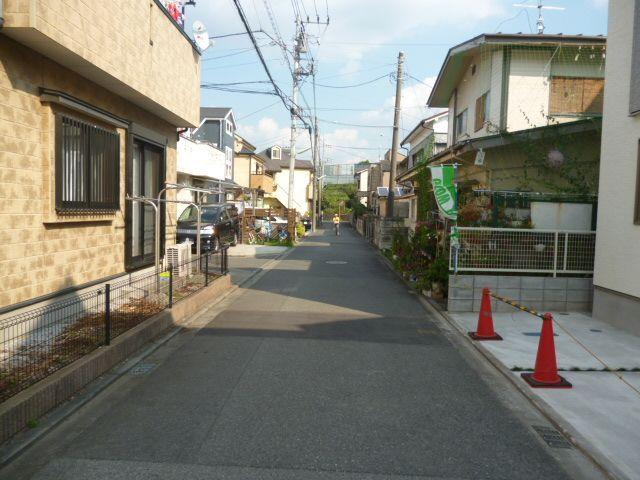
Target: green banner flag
443	179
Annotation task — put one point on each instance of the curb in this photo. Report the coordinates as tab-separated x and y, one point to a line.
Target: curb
577	440
22	441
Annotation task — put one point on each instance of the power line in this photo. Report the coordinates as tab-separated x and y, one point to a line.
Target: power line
418	80
383	44
244	50
357	71
355	85
209	84
259	110
353	148
237	90
354	124
218	67
348	152
285	101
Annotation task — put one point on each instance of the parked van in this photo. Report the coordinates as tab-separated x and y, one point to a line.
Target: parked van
219	225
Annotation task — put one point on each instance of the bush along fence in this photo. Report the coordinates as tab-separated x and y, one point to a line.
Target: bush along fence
38	342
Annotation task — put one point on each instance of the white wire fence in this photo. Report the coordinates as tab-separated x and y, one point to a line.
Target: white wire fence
523	250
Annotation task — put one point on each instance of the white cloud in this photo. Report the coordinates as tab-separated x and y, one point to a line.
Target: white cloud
356	26
413	107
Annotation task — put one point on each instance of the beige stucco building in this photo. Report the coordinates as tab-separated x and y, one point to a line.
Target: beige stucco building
90	99
617	266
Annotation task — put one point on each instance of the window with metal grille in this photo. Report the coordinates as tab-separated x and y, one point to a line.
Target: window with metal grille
576	96
87	166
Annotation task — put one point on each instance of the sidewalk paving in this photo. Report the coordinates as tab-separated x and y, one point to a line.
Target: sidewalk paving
244	250
601	407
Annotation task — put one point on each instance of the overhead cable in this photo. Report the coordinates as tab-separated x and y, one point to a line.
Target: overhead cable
386	75
285	100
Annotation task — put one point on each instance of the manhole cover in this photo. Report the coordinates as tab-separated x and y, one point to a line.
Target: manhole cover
142	368
336	262
552	437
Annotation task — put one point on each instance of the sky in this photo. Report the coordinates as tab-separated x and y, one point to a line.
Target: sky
359	46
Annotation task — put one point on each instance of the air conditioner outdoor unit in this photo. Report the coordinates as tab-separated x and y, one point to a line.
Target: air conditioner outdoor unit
179	257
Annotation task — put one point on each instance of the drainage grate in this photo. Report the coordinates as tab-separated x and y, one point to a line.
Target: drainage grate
142	369
552	437
335	262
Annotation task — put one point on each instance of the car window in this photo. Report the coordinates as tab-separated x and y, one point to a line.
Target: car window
209	214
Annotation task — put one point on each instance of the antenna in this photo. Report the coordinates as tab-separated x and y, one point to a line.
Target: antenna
540	7
201	36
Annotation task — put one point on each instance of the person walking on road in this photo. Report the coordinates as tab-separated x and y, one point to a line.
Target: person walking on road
336	223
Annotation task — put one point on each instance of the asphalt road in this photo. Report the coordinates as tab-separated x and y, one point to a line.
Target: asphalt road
324	368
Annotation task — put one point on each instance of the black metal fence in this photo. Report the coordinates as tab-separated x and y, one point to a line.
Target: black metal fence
40	341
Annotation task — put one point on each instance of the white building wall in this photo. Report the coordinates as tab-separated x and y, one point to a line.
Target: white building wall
470	87
495	97
363	185
528	99
302	180
196	159
617	259
200	159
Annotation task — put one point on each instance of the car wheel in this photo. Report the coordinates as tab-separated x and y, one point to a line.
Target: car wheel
234	242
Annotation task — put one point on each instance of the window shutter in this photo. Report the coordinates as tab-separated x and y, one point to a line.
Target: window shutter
634	93
566	95
593	95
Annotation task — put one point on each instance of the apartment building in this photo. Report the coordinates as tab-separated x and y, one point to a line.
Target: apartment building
90	100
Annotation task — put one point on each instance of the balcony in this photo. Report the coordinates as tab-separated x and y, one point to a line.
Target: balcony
136	51
262	182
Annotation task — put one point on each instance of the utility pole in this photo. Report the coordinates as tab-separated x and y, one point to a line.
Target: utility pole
395	140
320	180
297	71
314	195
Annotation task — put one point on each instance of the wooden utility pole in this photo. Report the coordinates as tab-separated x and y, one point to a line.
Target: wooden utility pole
314	195
294	111
395	140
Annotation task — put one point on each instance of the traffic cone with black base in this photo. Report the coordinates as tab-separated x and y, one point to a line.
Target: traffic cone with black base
545	374
484	330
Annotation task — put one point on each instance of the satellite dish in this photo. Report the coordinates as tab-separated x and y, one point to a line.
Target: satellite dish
201	36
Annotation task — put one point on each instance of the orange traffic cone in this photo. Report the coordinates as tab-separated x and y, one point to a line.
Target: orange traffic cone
485	329
545	374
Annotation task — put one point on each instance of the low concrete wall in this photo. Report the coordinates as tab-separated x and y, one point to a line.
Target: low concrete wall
617	309
540	293
41	397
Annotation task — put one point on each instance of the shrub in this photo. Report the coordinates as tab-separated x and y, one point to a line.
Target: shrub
438	271
300	230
